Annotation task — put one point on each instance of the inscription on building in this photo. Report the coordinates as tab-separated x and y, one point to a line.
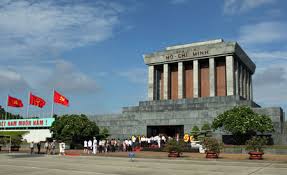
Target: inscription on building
181	54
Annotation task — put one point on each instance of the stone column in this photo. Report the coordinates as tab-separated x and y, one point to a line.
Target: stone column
151	83
230	75
236	77
212	85
251	88
157	84
247	85
244	82
240	80
180	80
166	81
195	79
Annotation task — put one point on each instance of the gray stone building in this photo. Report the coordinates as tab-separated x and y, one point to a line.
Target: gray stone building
190	85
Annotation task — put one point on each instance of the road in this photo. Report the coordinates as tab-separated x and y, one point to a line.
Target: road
47	165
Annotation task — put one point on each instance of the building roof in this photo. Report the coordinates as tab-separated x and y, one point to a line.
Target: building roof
199	50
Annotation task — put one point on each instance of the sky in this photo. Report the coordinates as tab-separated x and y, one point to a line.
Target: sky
92	51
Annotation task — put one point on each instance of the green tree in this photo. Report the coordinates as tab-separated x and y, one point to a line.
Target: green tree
205	127
104	133
242	120
195	129
74	129
9	115
195	132
16	137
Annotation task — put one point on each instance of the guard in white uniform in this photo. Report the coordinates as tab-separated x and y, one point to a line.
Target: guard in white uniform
95	145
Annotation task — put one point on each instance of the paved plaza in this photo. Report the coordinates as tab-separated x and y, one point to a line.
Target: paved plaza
46	165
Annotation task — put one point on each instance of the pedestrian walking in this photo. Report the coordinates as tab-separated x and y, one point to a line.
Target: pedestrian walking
46	146
95	145
85	146
39	147
62	146
32	147
53	147
90	146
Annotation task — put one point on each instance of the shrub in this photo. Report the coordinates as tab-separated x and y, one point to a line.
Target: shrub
243	122
173	145
212	144
195	132
205	127
16	137
256	144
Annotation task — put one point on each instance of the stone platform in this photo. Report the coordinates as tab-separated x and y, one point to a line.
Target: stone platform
187	112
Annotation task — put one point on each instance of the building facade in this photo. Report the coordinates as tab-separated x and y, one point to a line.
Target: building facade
203	69
190	85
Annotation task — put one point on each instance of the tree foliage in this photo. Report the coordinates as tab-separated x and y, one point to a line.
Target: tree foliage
195	129
74	129
205	127
256	144
104	133
243	120
9	115
212	144
16	137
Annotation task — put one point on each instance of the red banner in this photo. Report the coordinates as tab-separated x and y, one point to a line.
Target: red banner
14	102
60	99
37	101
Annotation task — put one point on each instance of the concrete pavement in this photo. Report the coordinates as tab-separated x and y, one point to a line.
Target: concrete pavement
47	165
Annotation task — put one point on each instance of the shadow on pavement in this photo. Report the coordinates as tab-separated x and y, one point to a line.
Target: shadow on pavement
24	155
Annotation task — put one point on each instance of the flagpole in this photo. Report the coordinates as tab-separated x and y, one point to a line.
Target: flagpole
28	104
6	112
52	113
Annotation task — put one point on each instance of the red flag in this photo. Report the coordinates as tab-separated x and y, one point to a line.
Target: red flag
36	101
14	102
60	99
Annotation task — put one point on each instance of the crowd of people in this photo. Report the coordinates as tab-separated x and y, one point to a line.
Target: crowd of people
49	147
130	144
94	146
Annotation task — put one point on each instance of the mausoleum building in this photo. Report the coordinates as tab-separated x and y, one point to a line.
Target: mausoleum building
190	85
203	69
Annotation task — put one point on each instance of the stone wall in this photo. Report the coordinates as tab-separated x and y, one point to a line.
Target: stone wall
134	120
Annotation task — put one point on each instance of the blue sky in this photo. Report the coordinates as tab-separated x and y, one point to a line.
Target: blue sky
91	51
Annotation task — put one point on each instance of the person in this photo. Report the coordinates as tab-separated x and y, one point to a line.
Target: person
62	148
133	141
32	147
124	146
149	142
46	146
90	146
39	147
158	141
130	145
100	146
85	146
53	147
163	139
95	144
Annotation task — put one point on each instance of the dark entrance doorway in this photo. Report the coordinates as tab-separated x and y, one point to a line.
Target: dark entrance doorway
169	130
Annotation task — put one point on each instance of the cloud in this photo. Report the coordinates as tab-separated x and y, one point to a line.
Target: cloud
263	33
271	55
67	78
178	1
136	75
39	29
12	81
270	85
232	7
270	76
